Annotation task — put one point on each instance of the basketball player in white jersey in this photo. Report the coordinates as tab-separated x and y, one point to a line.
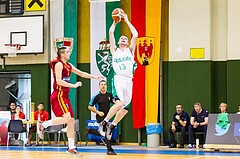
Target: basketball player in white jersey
122	61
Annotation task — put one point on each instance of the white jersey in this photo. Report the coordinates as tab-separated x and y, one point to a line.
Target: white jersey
123	61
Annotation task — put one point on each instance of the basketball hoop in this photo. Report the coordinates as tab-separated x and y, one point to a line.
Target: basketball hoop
12	49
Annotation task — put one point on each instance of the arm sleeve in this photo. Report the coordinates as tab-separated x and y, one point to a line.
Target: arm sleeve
92	101
206	113
173	118
192	114
184	117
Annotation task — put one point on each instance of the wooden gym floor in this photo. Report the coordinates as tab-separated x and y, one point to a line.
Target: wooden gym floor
99	152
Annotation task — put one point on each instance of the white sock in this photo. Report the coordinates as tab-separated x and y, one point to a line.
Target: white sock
114	124
47	123
71	143
106	120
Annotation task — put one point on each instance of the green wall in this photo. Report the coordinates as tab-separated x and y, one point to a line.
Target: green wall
233	85
207	82
186	83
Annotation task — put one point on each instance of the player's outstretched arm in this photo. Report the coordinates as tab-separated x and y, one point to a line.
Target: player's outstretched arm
112	38
85	74
134	32
58	70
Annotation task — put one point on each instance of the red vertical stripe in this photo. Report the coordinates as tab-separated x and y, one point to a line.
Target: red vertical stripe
138	19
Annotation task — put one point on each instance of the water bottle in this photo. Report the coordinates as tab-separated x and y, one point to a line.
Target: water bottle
197	143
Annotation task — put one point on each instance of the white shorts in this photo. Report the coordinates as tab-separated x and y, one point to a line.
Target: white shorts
123	89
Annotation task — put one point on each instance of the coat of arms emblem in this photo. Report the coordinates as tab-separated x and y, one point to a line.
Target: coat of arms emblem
60	42
104	58
145	50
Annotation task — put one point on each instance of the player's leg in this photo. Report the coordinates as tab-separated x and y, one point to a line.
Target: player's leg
126	98
114	110
55	121
110	126
110	150
70	132
117	90
60	107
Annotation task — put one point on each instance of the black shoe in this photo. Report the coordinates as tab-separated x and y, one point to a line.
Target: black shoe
28	145
108	133
172	146
104	124
181	146
111	153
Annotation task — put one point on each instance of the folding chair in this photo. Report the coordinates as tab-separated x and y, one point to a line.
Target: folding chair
53	130
76	133
15	127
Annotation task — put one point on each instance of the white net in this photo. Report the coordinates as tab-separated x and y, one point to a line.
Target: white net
12	49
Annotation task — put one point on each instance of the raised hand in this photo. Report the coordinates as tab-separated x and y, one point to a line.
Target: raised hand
124	17
99	77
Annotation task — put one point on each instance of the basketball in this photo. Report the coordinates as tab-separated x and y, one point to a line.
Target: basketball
116	14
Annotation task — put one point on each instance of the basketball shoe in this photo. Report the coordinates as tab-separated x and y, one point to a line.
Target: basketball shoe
73	152
108	133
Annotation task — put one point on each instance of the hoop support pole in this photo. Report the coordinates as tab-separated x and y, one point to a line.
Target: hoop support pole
3	63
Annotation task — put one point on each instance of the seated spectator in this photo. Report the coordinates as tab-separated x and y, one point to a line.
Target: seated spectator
19	115
40	115
12	107
222	120
198	123
238	109
180	122
223	108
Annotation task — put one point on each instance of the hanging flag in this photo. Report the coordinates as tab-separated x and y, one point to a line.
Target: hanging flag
146	17
100	22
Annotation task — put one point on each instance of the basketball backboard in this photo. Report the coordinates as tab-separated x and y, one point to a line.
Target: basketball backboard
24	30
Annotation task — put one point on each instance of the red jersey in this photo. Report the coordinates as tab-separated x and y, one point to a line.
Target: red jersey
43	115
66	72
21	116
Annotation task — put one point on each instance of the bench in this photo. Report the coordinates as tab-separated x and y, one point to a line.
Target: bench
197	135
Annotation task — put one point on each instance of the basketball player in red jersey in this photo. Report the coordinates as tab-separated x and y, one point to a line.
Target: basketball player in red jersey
61	105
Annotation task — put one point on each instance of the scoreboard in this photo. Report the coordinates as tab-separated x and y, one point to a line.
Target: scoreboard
11	7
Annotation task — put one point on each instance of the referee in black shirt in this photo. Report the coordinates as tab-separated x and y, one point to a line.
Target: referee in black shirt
102	101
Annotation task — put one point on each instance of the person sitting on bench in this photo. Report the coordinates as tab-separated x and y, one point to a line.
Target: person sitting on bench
198	123
180	123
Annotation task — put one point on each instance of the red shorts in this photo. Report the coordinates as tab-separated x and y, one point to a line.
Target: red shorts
61	103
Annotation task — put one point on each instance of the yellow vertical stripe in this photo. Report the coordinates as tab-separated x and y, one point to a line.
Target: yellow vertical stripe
153	27
126	6
83	32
